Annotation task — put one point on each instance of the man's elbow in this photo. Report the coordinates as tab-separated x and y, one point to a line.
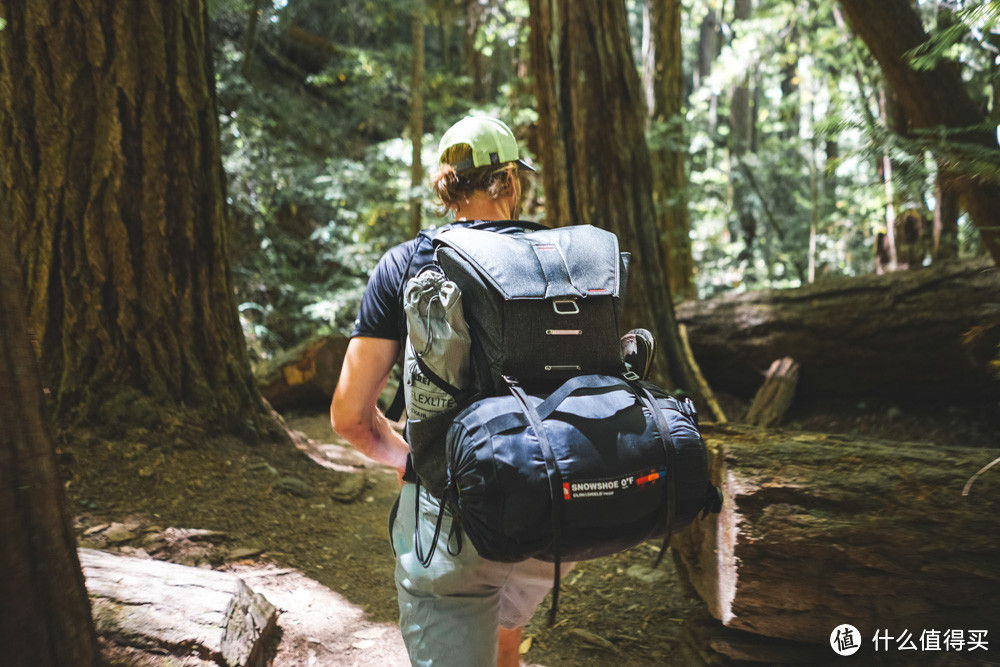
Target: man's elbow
349	424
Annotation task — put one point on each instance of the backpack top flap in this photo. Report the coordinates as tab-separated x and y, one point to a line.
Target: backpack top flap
576	261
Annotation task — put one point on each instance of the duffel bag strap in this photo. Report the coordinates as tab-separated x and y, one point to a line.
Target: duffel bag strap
552	472
663	429
425	560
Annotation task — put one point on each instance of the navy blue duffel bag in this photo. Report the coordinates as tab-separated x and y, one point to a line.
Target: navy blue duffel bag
598	466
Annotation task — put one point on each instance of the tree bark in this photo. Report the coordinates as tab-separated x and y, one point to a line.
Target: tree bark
819	530
668	157
114	185
593	148
917	335
44	612
931	98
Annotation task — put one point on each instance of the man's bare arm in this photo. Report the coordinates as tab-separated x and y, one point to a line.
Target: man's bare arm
354	411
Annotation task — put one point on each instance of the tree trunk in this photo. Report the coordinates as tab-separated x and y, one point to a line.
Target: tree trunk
819	530
916	335
945	230
593	148
44	612
932	98
417	117
709	44
475	62
667	158
250	41
741	131
946	209
791	115
115	189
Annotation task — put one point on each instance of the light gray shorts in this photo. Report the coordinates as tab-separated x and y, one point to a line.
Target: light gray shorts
449	612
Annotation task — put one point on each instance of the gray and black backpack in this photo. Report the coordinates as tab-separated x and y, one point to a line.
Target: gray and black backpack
554	450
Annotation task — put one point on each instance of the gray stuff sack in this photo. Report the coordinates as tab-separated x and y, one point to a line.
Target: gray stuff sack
436	370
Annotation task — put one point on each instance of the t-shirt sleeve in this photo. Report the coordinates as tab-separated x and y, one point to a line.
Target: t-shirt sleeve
380	312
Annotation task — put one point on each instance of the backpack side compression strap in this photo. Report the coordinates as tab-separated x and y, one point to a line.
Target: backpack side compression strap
670	450
552	472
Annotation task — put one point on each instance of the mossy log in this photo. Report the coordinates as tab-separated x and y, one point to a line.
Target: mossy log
153	604
304	376
818	530
911	335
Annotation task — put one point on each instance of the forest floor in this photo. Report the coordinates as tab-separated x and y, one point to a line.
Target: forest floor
306	527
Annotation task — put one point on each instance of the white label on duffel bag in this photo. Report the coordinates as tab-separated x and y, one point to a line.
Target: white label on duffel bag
600	488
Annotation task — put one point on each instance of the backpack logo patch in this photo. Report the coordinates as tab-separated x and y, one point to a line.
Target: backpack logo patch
615	486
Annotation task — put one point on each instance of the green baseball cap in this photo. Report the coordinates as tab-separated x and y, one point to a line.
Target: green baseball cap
491	141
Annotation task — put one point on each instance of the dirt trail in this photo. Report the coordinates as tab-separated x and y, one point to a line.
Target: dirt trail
308	529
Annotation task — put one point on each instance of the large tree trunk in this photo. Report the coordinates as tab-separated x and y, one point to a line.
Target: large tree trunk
44	612
916	335
820	530
593	148
113	181
665	99
931	98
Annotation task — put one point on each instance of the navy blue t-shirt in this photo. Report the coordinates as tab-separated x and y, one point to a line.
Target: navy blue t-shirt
381	314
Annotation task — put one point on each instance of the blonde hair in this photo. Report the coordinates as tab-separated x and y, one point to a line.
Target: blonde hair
454	188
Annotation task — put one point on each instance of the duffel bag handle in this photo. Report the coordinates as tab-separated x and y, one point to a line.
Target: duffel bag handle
555	399
545	408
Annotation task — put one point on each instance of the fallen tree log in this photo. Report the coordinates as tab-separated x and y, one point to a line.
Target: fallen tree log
152	604
912	335
818	530
305	375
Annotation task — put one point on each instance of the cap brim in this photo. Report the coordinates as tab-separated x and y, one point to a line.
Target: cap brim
523	166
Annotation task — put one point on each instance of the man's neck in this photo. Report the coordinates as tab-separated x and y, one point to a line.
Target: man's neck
482	207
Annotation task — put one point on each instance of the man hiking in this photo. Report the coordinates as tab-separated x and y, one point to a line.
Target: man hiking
462	609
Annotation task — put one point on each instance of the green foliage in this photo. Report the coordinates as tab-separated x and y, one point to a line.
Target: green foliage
752	212
298	183
818	145
960	40
315	111
314	115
